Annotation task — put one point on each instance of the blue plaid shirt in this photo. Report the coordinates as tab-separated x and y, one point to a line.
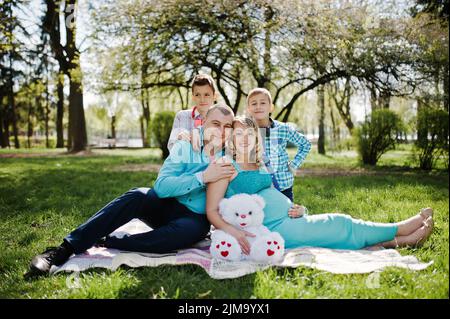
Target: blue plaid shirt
275	154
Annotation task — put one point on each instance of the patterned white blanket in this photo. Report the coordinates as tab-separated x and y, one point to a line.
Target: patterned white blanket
331	260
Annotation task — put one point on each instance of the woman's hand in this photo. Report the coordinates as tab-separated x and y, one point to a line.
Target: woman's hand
241	237
296	211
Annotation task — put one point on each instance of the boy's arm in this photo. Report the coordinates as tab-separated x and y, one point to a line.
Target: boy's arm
304	146
172	179
176	130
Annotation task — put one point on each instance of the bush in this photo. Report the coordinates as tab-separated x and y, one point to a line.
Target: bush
379	134
38	142
161	126
433	141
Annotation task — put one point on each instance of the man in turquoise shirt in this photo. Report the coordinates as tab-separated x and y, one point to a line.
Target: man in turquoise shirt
174	208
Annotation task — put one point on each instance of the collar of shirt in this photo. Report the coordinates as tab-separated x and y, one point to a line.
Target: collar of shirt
268	128
197	117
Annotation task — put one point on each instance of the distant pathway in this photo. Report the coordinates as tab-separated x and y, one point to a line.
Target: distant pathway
317	171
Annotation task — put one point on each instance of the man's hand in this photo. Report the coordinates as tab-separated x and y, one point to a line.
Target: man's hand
241	237
216	171
296	211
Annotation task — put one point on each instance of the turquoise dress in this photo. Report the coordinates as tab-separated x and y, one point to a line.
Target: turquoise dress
337	231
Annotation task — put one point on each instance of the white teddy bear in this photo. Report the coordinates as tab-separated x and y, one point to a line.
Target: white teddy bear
246	212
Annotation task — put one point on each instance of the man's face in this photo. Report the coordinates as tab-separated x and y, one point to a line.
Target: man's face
217	128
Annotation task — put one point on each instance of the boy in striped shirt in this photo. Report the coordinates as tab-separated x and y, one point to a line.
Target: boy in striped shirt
203	95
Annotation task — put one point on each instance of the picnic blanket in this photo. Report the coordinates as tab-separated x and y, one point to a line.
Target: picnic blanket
332	260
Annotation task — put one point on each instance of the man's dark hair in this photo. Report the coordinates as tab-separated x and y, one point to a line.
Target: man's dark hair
225	109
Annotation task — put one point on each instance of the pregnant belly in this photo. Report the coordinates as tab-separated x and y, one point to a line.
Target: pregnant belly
277	206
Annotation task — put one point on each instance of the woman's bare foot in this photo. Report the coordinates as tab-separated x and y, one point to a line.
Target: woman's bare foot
410	225
416	239
426	212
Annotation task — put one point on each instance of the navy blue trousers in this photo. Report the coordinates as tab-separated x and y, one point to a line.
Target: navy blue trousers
288	193
174	225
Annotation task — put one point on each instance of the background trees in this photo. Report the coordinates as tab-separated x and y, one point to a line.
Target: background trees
323	61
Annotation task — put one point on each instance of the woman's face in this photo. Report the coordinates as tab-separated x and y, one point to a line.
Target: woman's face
244	139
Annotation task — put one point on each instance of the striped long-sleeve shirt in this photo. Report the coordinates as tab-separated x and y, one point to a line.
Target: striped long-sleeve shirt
185	120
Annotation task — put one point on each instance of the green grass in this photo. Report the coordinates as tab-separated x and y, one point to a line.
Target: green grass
44	198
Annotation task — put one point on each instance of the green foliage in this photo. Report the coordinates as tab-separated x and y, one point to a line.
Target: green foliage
433	140
161	125
379	134
34	141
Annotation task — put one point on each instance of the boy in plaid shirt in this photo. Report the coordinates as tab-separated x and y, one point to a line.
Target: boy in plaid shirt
276	135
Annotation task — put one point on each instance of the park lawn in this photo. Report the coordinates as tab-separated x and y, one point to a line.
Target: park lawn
44	198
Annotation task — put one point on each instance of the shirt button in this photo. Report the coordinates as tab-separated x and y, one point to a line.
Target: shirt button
190	200
189	189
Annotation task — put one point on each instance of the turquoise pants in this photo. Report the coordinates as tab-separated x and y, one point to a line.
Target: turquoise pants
337	231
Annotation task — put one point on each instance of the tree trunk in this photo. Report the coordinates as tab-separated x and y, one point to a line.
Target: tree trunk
30	128
420	107
373	98
76	110
334	126
5	125
68	58
113	126
145	120
12	103
12	109
2	135
384	100
76	117
342	102
60	112
141	122
445	81
47	114
180	95
321	105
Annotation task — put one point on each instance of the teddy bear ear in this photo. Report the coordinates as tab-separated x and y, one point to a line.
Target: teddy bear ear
259	200
223	205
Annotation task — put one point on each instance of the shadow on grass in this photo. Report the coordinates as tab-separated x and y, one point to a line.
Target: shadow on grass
166	281
188	281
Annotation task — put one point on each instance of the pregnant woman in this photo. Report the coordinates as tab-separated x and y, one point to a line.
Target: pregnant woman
336	231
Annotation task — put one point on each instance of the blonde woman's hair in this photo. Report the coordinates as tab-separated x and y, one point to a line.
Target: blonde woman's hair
248	122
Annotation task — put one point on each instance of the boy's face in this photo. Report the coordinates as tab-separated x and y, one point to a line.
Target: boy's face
203	96
259	106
